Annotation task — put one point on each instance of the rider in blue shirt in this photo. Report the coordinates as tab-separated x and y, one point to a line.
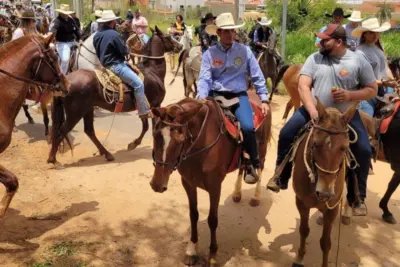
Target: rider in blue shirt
224	69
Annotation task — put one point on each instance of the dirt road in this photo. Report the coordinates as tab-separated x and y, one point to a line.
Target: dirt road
96	213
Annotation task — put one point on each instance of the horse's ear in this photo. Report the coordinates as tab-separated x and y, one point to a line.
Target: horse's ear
349	113
158	31
152	30
183	117
159	112
49	39
321	109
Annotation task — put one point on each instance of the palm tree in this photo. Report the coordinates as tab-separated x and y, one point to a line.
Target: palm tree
303	6
385	12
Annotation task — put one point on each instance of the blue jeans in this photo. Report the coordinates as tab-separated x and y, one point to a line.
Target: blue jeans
64	52
361	149
244	114
129	77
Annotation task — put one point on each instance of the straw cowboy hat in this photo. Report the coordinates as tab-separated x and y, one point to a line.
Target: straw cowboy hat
338	12
224	21
107	15
265	21
27	14
98	13
355	16
65	9
370	25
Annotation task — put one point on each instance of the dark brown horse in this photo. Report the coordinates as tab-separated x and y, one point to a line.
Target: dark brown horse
326	145
86	92
20	60
190	136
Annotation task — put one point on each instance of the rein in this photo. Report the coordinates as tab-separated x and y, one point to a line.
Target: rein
150	57
183	155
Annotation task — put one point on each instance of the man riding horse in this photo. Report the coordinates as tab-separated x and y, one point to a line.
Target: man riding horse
223	72
336	76
111	50
207	40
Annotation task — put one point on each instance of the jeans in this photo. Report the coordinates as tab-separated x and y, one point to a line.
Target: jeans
368	106
64	52
129	77
244	114
361	149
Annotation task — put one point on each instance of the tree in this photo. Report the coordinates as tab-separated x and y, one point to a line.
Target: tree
385	12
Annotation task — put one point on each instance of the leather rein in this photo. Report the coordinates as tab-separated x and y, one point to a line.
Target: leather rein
43	53
183	155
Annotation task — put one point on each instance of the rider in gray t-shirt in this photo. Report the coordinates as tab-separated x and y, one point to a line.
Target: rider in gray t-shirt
354	80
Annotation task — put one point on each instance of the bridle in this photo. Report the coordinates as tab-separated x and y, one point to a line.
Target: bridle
183	155
45	58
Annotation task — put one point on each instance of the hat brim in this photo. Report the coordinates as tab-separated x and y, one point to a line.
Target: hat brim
357	32
266	23
107	20
323	36
355	20
212	29
344	16
65	12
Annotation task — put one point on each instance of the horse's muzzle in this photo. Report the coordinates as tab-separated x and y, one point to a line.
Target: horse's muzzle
324	196
158	188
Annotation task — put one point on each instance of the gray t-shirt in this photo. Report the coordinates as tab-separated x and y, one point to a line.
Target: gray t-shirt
350	72
375	57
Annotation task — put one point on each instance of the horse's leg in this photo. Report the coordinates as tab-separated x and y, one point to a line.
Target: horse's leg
138	141
89	131
215	194
10	181
191	250
255	200
325	241
304	230
237	192
347	214
383	204
43	106
28	116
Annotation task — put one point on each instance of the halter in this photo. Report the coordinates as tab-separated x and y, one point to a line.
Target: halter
183	155
44	57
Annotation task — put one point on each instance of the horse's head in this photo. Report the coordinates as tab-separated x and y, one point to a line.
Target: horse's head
189	30
45	67
329	143
169	135
169	43
135	44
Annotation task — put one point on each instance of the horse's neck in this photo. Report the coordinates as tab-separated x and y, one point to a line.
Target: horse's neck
88	59
158	66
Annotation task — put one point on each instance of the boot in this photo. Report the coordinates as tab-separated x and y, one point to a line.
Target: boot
360	209
276	184
251	176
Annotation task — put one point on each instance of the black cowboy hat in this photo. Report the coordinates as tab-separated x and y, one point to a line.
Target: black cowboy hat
339	13
209	16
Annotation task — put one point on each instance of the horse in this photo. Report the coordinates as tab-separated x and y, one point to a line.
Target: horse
394	65
186	41
86	92
189	136
20	60
323	150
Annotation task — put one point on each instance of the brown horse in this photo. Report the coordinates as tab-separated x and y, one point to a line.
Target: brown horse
86	92
20	60
190	136
323	150
44	25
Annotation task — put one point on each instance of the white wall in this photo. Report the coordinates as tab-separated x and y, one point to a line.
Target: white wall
176	3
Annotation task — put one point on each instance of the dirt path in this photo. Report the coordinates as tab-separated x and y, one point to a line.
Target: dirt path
95	213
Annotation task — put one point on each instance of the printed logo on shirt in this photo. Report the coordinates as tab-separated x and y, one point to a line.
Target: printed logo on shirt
238	61
217	62
344	73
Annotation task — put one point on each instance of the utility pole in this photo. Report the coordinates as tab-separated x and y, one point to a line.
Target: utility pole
284	19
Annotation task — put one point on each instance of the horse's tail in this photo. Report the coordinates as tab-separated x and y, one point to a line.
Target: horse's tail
281	72
180	60
58	117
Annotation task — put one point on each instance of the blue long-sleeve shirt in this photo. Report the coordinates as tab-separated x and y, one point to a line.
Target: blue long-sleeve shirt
226	70
110	47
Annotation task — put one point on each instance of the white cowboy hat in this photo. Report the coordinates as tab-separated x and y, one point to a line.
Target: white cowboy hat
223	21
65	9
355	16
107	15
265	21
370	25
98	13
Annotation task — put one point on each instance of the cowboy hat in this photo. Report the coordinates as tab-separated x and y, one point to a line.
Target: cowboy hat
264	21
107	15
27	14
97	13
65	9
355	16
370	25
338	12
223	21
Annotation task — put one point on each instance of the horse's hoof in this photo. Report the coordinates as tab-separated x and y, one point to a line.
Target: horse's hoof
254	202
389	219
110	157
237	198
31	121
346	220
320	220
191	260
132	146
297	265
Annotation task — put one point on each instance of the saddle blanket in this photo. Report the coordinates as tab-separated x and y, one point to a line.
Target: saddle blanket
386	122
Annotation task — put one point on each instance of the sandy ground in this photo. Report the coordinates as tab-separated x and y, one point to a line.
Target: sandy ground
96	213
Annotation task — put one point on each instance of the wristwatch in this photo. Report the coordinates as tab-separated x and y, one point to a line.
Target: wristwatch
265	102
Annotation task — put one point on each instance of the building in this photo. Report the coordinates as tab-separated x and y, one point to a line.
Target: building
177	5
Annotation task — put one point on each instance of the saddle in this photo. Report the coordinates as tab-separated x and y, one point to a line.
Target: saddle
387	112
232	125
113	87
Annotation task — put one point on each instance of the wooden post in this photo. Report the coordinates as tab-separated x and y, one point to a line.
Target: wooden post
284	19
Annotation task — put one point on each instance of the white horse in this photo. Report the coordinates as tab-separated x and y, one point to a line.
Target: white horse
185	40
86	57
